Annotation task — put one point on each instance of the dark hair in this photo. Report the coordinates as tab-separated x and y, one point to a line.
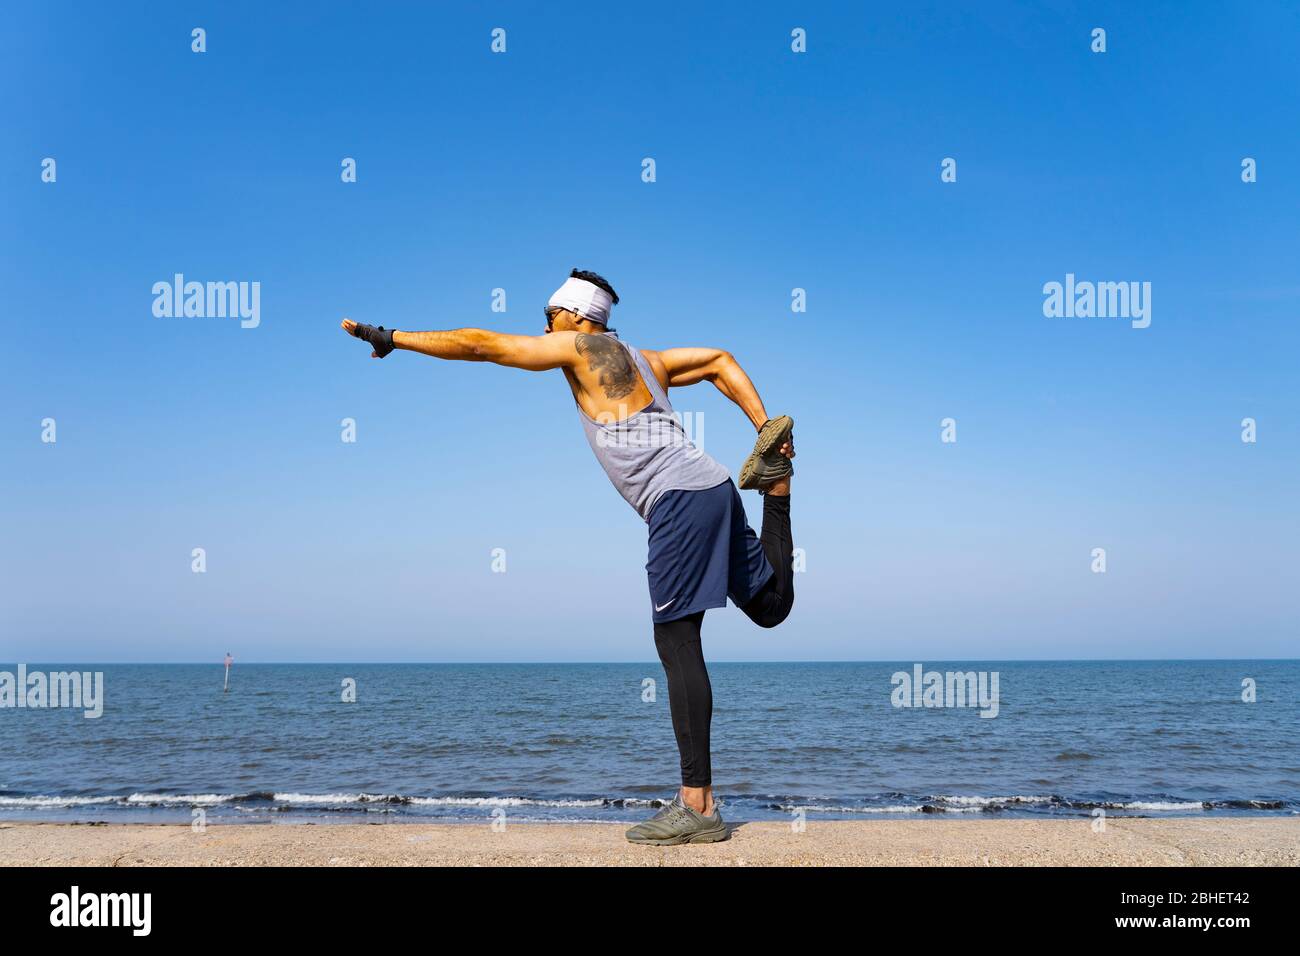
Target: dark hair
597	280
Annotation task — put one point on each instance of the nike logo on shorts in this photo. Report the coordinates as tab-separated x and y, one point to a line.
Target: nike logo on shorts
660	607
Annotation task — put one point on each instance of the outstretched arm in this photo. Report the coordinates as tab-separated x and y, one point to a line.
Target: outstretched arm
536	353
691	365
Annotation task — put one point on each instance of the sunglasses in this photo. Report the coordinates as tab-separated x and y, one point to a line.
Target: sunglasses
552	310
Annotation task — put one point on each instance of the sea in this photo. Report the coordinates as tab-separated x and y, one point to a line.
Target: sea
476	743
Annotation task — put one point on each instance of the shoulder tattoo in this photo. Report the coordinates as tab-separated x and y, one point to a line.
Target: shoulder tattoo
610	362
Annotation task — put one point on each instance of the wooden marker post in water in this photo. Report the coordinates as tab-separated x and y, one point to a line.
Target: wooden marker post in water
229	660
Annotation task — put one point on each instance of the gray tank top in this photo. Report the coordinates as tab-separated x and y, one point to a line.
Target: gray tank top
648	453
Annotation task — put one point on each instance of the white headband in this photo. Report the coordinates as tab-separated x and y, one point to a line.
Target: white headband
583	298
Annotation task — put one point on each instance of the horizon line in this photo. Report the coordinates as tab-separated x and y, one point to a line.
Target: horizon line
943	660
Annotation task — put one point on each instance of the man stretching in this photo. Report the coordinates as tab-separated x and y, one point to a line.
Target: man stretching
702	550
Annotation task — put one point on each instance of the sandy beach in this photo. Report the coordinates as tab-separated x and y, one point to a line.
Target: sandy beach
1017	842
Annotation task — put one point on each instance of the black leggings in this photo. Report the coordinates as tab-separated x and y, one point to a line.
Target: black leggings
690	696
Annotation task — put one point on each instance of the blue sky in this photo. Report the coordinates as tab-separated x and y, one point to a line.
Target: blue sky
775	170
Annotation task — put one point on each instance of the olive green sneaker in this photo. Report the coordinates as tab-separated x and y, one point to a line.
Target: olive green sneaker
677	823
766	464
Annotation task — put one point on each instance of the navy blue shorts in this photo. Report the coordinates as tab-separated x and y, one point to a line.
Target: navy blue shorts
702	551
